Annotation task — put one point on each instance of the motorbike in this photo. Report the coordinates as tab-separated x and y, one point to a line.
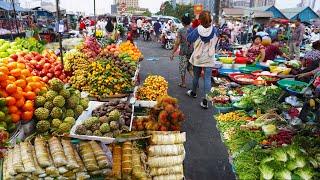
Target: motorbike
146	34
168	39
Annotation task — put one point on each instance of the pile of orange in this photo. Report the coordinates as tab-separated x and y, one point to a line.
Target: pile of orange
19	88
130	49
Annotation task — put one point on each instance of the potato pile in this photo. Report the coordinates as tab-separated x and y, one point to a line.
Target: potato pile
55	159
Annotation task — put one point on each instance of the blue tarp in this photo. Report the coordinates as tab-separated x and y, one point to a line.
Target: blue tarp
8	7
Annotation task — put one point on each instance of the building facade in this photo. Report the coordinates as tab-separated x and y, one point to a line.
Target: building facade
129	3
253	3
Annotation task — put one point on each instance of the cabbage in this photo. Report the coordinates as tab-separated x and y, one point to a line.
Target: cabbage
266	172
305	173
280	155
269	129
283	174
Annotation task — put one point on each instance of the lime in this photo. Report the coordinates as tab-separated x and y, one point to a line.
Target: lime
8	119
11	127
2	102
2	116
3	125
4	110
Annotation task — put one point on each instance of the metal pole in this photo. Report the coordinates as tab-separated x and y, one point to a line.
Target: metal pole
59	34
95	18
15	15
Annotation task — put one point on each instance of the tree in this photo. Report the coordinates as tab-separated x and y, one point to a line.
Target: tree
147	13
180	10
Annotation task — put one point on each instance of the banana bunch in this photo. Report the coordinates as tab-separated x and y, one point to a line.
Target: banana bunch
153	88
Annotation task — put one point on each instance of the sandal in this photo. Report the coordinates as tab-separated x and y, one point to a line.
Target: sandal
182	85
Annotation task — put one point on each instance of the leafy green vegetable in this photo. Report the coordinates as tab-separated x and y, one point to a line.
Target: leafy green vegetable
266	172
292	151
269	129
283	174
305	173
280	155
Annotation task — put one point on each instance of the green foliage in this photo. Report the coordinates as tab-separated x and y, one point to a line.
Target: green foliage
180	10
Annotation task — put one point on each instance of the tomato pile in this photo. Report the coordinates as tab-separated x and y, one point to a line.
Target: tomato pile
46	66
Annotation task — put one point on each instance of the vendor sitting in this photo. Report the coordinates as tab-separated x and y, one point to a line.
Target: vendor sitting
311	59
256	52
273	50
223	43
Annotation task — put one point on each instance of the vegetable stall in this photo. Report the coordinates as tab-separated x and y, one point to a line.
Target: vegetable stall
87	118
268	120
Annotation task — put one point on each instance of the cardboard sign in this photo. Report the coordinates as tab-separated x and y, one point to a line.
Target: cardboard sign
197	9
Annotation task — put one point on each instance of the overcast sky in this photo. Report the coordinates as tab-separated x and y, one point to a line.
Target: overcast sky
103	6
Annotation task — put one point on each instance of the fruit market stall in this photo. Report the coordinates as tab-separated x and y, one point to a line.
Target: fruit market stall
80	119
271	129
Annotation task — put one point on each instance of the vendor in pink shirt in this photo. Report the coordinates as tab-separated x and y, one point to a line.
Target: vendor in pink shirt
273	50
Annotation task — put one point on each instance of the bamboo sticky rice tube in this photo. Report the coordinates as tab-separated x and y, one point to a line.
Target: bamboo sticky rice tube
6	163
17	161
10	167
27	160
39	171
88	156
41	152
69	153
176	138
126	157
178	169
137	169
52	171
165	150
165	161
100	156
171	177
57	153
116	157
82	168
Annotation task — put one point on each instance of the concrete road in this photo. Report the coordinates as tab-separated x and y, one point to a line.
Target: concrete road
206	156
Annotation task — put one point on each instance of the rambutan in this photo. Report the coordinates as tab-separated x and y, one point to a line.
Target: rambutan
175	128
163	128
169	108
175	114
162	115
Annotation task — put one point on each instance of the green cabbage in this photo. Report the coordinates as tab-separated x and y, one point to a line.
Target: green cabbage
299	162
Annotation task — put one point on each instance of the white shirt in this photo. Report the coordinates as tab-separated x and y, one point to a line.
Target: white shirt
139	23
314	37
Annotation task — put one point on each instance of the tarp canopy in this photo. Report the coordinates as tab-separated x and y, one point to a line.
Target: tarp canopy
8	7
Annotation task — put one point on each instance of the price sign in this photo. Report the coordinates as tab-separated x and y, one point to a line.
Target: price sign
197	9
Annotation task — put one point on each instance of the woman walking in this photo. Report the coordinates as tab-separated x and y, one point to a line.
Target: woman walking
204	37
185	49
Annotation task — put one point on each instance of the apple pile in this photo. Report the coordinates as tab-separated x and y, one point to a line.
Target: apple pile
90	47
46	66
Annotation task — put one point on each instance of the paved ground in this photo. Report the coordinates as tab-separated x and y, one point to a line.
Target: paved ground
206	156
